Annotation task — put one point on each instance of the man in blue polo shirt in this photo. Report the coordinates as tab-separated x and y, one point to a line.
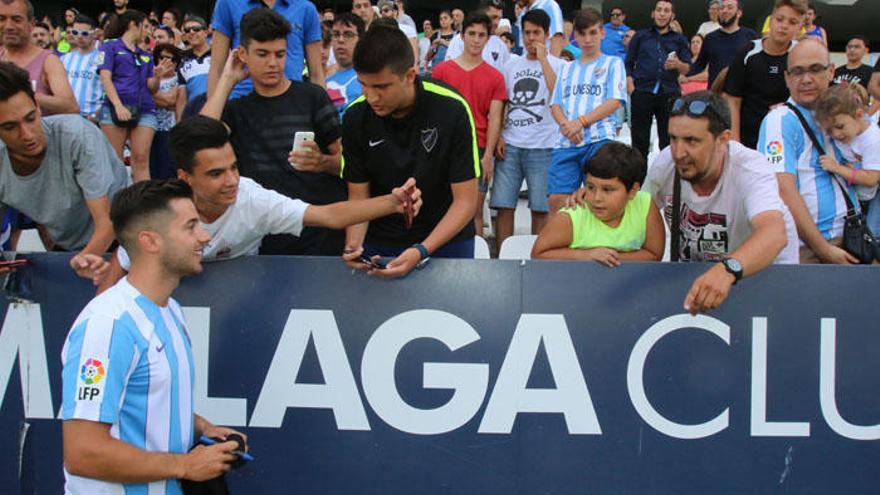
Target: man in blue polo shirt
304	40
654	60
615	30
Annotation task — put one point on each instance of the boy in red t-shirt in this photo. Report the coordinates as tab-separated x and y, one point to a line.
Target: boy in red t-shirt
483	88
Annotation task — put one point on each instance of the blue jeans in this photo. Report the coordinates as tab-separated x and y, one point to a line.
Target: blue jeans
519	164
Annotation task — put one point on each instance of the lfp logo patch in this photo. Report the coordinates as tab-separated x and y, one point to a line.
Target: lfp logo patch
92	374
775	151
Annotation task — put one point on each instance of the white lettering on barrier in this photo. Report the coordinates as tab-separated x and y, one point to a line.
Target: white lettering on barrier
570	397
635	374
759	425
827	387
218	410
338	392
22	335
469	381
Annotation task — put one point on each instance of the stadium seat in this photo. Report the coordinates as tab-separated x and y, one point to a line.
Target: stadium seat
517	247
481	248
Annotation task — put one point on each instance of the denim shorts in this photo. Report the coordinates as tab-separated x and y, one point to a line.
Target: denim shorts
567	167
519	164
146	120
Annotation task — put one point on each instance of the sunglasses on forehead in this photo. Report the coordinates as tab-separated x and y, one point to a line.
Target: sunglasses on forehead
696	108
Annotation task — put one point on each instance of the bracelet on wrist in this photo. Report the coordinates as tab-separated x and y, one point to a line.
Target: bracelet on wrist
584	122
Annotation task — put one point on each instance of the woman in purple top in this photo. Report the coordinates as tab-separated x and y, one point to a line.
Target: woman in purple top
129	80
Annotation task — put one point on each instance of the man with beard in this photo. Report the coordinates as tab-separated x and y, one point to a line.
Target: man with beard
128	351
721	45
730	208
656	57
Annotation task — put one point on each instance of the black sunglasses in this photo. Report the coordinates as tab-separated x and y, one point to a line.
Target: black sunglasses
193	29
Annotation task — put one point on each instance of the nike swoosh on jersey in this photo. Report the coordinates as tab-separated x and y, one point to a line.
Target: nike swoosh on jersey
373	144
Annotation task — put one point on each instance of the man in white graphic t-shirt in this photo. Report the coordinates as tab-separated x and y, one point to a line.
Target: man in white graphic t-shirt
730	210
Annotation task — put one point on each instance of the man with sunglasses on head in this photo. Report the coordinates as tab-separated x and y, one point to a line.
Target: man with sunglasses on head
81	64
196	63
730	210
815	200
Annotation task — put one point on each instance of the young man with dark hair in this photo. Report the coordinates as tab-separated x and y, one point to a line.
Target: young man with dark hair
47	75
855	71
128	349
730	209
558	40
60	171
404	127
585	101
495	51
483	88
303	43
81	64
755	79
364	10
656	57
530	134
343	86
721	46
41	35
264	123
238	212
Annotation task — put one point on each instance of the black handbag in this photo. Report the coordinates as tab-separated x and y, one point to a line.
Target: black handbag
858	240
134	110
130	123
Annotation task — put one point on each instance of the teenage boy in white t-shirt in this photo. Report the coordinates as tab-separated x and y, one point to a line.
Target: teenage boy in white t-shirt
238	212
529	133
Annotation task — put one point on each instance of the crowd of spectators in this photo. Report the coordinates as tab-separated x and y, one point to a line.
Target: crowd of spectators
543	93
351	134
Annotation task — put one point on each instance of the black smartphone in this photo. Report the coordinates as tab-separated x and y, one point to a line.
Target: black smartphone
378	265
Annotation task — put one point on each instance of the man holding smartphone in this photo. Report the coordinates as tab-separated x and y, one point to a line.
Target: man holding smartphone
238	213
405	127
264	123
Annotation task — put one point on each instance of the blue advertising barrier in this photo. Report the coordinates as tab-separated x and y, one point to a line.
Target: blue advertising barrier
494	377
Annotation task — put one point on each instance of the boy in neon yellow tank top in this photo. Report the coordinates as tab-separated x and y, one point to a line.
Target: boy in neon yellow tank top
618	222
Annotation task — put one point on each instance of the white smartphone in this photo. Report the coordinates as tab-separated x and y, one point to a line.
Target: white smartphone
299	138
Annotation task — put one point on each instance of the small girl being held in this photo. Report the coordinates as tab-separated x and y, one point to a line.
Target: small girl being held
841	112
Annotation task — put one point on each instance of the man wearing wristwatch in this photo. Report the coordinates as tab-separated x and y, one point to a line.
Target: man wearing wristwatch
404	127
730	208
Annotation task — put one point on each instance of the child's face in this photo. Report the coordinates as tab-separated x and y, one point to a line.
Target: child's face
843	127
590	39
607	198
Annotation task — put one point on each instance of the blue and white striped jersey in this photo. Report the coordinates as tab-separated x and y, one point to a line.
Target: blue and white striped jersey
82	72
580	88
788	148
128	362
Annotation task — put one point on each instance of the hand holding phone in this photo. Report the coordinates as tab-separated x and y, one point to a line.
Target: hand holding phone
298	139
377	265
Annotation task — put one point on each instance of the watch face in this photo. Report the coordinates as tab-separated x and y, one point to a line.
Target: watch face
733	265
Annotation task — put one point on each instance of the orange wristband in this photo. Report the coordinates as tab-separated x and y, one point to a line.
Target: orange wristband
584	122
